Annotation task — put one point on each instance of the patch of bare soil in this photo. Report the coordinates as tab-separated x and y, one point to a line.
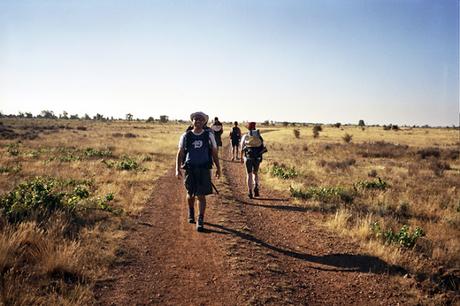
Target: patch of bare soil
263	251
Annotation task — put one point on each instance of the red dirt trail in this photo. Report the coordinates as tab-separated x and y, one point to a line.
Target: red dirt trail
264	251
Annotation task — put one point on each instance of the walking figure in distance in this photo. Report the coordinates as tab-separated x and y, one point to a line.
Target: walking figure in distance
218	129
252	146
197	151
235	138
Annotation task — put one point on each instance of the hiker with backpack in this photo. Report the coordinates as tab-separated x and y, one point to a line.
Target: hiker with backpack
218	130
235	138
196	154
252	146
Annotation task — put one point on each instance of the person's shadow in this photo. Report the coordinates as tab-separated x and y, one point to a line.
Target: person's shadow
337	262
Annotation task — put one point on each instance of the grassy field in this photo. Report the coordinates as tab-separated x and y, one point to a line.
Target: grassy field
94	174
68	186
397	192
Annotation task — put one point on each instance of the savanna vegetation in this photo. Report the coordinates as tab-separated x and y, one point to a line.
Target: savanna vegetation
70	190
396	191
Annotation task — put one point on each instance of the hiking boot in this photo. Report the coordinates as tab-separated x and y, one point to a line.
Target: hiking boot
250	195
256	191
199	224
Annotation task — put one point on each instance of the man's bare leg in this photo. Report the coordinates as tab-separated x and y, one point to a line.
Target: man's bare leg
191	208
202	209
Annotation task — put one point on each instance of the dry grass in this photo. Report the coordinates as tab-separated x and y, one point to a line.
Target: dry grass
59	261
421	170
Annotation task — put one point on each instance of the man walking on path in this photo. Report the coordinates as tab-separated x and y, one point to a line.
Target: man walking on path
197	151
235	137
218	129
252	146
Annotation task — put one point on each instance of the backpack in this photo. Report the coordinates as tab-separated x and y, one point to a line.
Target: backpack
235	133
188	144
253	146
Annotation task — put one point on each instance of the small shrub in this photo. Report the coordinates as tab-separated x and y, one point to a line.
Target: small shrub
13	149
90	152
296	133
127	164
403	237
130	135
324	194
283	171
379	184
429	152
372	173
347	138
82	128
439	167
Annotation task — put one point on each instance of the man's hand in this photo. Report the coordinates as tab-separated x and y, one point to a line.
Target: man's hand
178	173
218	173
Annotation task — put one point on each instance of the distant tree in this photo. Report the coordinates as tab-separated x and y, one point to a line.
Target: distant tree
337	125
361	123
316	129
21	115
74	117
47	114
64	115
129	116
98	117
87	117
164	118
285	123
150	119
266	123
29	115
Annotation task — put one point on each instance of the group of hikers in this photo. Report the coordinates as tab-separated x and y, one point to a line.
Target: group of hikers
199	150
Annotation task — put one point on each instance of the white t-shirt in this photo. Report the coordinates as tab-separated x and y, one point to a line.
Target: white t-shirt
212	139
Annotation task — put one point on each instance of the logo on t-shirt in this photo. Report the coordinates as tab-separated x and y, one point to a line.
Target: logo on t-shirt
197	144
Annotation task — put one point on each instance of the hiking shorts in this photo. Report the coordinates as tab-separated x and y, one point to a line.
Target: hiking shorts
252	164
198	181
235	142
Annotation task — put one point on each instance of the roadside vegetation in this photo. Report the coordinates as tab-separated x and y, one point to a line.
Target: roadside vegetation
67	190
395	191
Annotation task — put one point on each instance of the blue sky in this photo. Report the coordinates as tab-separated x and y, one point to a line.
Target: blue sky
383	61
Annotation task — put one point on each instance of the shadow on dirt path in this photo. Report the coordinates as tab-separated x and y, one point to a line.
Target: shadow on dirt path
263	251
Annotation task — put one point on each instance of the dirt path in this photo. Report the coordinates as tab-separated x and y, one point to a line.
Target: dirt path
253	252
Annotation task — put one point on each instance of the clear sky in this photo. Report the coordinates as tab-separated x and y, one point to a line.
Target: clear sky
383	61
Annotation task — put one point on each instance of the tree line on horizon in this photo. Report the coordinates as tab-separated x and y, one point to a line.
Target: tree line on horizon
49	114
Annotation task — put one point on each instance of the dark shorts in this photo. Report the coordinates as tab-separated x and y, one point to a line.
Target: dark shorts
198	181
218	141
252	165
235	142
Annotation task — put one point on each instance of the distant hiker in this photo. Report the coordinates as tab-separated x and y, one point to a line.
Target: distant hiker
197	151
235	138
218	129
252	146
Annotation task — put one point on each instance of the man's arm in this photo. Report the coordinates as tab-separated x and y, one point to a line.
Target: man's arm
179	158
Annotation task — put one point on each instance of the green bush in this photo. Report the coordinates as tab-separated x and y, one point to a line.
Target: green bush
379	184
38	198
403	237
127	163
323	194
283	171
90	152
